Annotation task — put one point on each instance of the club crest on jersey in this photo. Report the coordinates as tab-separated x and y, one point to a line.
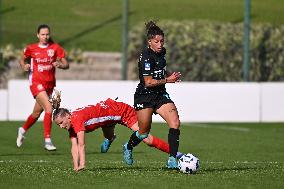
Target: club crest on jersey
50	52
147	66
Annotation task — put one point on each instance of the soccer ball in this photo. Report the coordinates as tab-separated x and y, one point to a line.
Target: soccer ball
188	163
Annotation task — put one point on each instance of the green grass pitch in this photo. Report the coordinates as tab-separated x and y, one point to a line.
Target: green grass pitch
232	156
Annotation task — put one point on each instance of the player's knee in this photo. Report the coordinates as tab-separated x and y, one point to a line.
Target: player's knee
175	124
142	136
48	109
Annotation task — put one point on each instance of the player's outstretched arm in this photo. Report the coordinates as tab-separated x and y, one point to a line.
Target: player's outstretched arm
75	153
81	149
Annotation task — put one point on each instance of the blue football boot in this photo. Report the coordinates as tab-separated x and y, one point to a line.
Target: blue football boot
127	155
172	163
106	144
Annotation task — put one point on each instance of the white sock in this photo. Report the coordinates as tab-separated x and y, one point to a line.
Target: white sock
47	140
22	130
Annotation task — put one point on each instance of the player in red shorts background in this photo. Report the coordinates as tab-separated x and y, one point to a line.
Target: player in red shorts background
105	115
41	60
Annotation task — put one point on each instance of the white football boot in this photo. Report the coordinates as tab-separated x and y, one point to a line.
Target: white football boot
21	137
48	145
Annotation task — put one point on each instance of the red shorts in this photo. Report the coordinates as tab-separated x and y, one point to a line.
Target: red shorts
36	88
127	113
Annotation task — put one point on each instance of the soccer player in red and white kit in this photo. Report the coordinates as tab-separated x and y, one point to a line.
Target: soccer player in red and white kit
105	115
40	60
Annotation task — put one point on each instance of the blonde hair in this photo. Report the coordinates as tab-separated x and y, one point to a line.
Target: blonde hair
55	100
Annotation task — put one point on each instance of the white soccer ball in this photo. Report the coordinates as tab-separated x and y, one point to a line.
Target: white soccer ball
188	163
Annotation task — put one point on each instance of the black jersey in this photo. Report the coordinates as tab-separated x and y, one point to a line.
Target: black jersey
151	64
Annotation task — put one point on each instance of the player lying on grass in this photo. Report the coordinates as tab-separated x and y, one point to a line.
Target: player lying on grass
105	115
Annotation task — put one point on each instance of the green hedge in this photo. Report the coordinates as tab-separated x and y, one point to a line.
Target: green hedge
210	51
7	54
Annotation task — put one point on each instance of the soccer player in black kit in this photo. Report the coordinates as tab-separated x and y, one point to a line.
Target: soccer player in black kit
151	96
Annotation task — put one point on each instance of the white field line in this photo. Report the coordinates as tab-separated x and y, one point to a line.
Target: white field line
219	127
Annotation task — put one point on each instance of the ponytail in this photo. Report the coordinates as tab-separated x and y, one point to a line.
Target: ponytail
55	101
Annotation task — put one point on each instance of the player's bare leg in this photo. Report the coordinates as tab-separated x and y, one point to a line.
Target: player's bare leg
43	99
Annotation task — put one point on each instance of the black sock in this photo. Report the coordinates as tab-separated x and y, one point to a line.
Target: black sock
173	139
133	141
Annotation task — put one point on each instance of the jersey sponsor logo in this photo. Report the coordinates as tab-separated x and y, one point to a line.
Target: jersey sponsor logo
101	120
50	52
42	68
43	60
139	106
158	71
37	53
147	66
159	74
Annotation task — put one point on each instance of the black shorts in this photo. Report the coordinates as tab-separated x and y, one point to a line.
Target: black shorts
154	101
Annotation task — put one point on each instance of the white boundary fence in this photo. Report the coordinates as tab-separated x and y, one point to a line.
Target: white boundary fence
196	101
3	104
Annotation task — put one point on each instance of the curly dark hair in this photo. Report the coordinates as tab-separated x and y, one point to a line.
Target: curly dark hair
152	30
